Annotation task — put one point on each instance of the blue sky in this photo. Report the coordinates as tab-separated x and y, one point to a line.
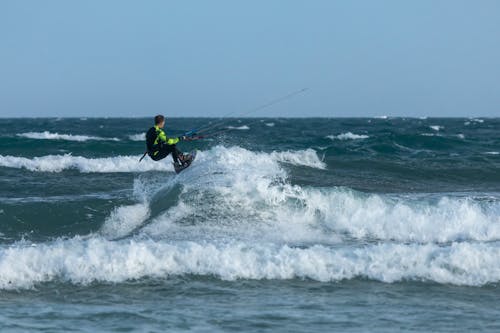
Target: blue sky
208	58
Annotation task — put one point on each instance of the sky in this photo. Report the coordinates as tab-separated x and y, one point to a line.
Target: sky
118	58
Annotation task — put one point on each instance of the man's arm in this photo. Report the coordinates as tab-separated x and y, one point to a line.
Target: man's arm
172	141
169	141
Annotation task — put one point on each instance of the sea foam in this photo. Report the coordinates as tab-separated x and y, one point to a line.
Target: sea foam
348	136
58	163
253	190
236	215
137	137
80	261
46	135
241	128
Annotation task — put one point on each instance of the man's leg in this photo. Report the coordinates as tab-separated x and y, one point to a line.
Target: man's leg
176	153
162	153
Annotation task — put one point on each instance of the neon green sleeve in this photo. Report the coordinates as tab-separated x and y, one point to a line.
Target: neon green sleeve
162	137
172	141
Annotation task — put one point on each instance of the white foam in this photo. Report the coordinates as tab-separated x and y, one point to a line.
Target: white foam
492	152
269	124
436	128
348	136
46	135
239	186
97	260
58	163
307	157
137	137
239	217
379	217
124	220
241	128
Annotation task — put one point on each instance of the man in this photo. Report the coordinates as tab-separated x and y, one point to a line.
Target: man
159	145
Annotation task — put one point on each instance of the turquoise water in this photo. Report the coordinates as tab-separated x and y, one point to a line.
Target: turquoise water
280	225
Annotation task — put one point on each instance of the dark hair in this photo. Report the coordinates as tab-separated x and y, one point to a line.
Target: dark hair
159	119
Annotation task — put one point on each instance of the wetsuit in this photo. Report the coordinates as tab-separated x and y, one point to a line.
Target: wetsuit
159	145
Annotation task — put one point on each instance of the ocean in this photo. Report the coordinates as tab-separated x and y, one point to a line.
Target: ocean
280	225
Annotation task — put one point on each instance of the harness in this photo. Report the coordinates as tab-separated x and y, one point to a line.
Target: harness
153	146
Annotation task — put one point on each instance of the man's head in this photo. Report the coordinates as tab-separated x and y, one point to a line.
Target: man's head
159	121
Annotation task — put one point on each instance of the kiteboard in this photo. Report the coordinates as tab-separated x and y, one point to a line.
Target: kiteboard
189	158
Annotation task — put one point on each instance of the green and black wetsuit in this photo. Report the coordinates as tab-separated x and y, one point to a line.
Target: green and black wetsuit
159	145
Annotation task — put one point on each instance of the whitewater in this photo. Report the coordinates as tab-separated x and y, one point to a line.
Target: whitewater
283	217
339	211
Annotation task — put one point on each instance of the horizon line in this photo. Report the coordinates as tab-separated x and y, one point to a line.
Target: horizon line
252	117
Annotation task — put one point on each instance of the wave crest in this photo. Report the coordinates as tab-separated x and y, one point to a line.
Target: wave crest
97	260
46	135
348	136
58	163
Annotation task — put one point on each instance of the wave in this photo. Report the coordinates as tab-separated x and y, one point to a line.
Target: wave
137	137
241	128
308	158
235	215
436	127
58	163
265	208
46	135
125	219
348	136
80	261
60	198
243	191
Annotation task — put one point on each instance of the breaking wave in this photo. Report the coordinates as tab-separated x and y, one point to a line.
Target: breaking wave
98	260
241	128
307	157
46	135
58	163
137	137
235	214
348	136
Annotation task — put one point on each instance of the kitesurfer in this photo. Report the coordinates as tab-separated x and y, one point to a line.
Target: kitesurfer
160	146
